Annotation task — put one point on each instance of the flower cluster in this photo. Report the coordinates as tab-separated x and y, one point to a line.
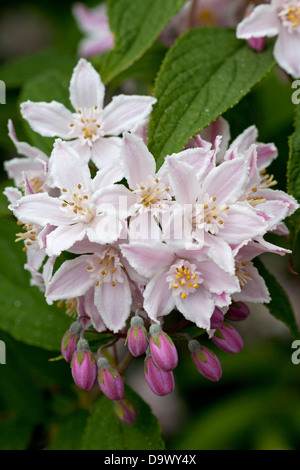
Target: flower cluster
135	243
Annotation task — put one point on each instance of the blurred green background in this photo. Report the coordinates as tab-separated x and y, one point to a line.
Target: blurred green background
256	405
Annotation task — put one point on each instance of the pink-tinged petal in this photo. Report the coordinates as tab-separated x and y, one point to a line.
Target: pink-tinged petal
85	246
23	148
242	223
197	307
255	290
116	198
266	153
66	167
256	248
183	181
40	209
281	196
107	176
254	177
124	112
90	19
199	158
90	47
144	228
221	300
148	259
48	119
226	182
220	252
86	87
245	140
273	212
91	310
113	303
158	297
82	148
216	280
281	229
63	237
287	51
137	161
71	280
263	21
105	228
220	127
16	166
106	151
12	194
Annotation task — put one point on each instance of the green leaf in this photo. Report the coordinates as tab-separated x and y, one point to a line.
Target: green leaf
280	306
48	86
104	431
293	176
136	25
24	312
18	71
204	74
69	432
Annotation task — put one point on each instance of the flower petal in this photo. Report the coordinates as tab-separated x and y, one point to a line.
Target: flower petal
287	51
159	299
113	303
183	181
242	223
66	167
255	290
71	280
48	119
106	151
40	209
137	161
148	259
86	87
197	307
124	112
226	182
63	238
263	21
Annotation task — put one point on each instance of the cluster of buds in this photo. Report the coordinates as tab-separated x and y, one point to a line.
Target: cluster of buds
87	370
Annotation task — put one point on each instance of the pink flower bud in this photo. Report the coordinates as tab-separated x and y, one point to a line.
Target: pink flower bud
228	339
162	349
125	411
257	44
160	381
84	366
70	340
109	380
206	361
238	312
216	319
137	340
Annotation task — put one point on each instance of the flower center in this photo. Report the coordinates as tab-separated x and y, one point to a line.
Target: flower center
28	236
242	273
106	267
183	278
206	17
77	204
290	15
151	194
209	215
71	306
87	124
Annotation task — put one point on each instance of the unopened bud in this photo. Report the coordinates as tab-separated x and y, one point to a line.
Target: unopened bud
110	380
238	312
217	318
84	366
257	44
137	340
70	340
228	339
162	349
125	411
206	361
160	381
